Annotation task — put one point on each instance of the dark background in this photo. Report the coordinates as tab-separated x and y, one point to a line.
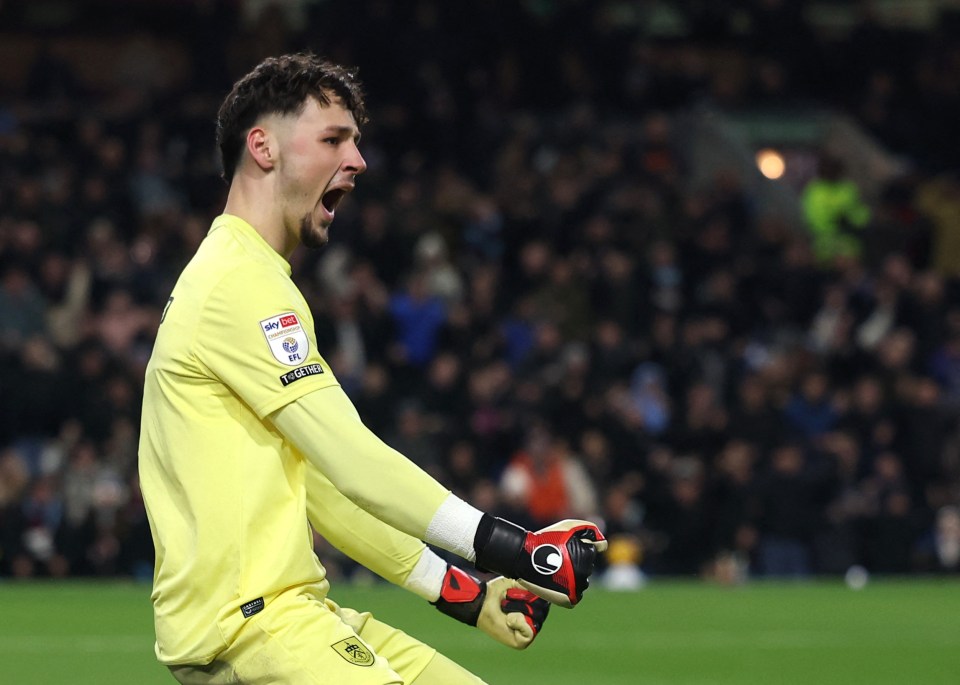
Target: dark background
562	287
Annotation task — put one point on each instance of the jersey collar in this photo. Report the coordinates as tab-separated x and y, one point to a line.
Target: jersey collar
251	238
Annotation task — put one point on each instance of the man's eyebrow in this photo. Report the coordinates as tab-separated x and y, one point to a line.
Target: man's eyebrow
343	130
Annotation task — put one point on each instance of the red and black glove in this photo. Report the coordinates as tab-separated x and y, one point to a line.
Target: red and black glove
500	607
555	562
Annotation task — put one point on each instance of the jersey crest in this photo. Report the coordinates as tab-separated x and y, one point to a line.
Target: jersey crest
354	651
286	338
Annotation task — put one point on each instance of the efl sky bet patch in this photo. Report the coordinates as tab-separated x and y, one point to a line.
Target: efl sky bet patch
287	340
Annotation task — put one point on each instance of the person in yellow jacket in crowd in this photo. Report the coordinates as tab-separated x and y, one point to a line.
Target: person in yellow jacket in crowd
835	212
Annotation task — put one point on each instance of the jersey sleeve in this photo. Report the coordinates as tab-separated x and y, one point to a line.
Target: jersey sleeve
256	336
364	538
325	427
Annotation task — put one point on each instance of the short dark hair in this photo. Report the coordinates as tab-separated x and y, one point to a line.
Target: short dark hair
281	85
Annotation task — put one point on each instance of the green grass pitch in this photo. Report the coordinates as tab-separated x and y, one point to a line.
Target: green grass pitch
892	632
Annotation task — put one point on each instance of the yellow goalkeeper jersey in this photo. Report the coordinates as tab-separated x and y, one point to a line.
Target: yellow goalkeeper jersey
223	490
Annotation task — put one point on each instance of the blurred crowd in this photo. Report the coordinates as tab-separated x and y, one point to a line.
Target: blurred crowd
526	295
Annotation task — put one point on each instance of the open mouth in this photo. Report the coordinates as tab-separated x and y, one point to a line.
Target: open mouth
331	199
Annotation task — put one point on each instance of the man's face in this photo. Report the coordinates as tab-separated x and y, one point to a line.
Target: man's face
318	162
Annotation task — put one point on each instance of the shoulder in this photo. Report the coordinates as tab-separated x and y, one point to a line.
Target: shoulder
247	282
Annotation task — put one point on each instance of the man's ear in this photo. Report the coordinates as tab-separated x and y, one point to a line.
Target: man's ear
262	148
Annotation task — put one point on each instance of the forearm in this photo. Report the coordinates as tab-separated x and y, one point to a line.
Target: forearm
388	552
325	427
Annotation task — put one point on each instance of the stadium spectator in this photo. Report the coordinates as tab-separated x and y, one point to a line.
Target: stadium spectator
939	550
790	497
418	315
811	411
835	212
546	480
838	543
755	417
413	437
22	308
731	501
680	516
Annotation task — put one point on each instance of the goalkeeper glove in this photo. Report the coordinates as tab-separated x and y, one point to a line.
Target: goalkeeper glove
554	563
500	608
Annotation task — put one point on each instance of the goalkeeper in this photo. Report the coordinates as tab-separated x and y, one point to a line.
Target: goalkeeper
246	435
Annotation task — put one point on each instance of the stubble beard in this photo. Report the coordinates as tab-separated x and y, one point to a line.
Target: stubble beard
313	237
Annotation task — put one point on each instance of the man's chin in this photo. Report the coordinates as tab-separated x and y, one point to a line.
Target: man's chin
314	237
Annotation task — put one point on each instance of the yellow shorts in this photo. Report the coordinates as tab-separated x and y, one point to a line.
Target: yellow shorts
302	638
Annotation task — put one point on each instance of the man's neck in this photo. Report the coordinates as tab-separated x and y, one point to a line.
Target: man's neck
246	201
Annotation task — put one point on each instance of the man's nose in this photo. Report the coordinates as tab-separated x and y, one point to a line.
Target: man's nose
355	163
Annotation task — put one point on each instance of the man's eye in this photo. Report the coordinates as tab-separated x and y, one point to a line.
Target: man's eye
331	141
